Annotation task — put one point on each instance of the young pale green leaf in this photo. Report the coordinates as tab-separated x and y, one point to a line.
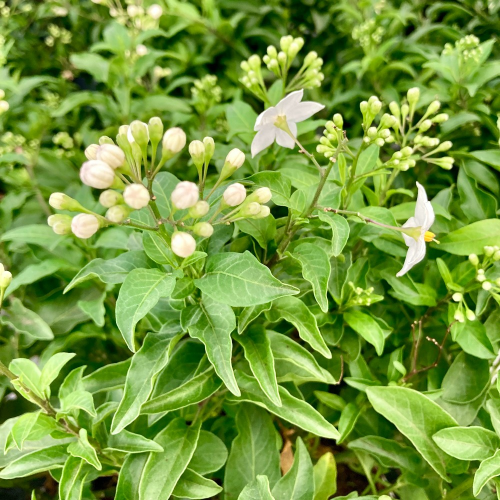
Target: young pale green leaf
107	378
315	269
467	443
240	280
210	454
249	314
83	449
77	400
163	185
52	369
364	325
258	489
325	477
157	250
214	326
28	373
488	469
296	484
129	442
293	410
73	478
340	230
42	460
139	293
296	312
472	238
27	322
130	476
417	417
260	357
110	271
333	401
146	364
193	391
163	470
348	419
94	309
296	363
193	485
21	431
254	451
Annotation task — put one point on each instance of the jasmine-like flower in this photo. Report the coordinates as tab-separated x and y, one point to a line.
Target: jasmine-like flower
417	231
280	122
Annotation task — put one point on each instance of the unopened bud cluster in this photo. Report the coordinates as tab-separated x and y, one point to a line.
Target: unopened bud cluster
5	279
368	34
463	311
206	93
332	135
136	15
467	49
491	256
4	105
57	33
361	296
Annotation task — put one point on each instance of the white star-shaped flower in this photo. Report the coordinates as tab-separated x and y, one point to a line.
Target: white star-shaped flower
288	112
421	222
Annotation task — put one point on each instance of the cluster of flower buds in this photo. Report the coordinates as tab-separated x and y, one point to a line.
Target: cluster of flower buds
402	159
206	93
462	312
491	256
467	48
370	109
362	297
368	34
5	279
57	33
382	134
66	143
136	15
332	135
252	78
4	105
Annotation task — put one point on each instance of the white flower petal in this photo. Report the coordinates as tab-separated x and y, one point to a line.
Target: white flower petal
424	213
283	139
303	111
263	139
293	128
290	101
416	253
265	118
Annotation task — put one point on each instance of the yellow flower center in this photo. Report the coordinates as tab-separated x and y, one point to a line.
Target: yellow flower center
280	122
429	236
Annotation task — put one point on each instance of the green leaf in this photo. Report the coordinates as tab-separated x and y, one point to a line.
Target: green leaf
241	120
249	314
129	442
367	160
348	419
163	186
52	369
157	250
489	156
94	309
467	443
107	378
35	462
240	280
210	454
21	430
27	322
215	323
340	230
163	470
325	477
193	485
296	484
417	417
488	469
260	357
73	478
263	230
367	327
315	269
258	489
476	204
146	364
83	449
294	311
139	293
77	400
193	391
110	271
293	410
93	64
33	234
130	476
28	373
279	185
254	451
472	238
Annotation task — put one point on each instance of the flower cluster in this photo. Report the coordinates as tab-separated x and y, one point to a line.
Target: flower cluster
361	296
66	142
206	93
57	33
368	34
467	48
135	15
4	105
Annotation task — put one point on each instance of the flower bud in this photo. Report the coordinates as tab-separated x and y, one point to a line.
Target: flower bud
285	42
60	224
174	140
338	120
111	154
488	251
433	107
110	198
136	196
407	151
425	126
97	174
457	297
486	285
185	195
459	316
470	315
104	139
413	95
375	107
183	244
264	212
199	210
197	152
235	158
363	106
61	201
118	213
209	144
311	57
91	152
234	195
4	106
496	255
5	279
394	107
155	129
155	11
261	195
441	118
138	132
141	50
203	229
249	210
84	225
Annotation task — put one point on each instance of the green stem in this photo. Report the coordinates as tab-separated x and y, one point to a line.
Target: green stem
461	488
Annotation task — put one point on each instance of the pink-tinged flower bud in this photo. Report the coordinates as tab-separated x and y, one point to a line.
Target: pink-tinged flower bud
261	195
235	158
264	212
174	140
199	210
91	152
111	154
234	194
110	198
84	225
136	196
138	132
155	11
118	213
61	201
250	210
97	174
204	229
5	279
185	195
183	244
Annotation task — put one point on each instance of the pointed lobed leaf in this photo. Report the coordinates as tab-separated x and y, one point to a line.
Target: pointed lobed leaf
83	449
193	485
210	454
367	327
488	469
325	477
130	476
340	230
258	489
